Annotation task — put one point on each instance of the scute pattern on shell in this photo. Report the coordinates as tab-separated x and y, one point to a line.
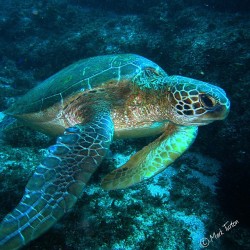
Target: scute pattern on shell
89	74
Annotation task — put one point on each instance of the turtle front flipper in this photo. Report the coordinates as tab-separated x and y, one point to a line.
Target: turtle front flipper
57	182
153	158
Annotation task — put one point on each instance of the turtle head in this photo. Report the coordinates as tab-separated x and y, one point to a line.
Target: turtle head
194	102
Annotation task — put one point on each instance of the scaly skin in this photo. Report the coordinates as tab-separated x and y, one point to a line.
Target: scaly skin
153	158
57	182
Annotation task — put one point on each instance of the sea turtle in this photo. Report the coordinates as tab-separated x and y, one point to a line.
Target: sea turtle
87	105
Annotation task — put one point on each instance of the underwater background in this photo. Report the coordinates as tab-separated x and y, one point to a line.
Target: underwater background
192	199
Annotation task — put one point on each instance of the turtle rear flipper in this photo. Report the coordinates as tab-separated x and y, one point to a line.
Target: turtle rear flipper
58	181
153	158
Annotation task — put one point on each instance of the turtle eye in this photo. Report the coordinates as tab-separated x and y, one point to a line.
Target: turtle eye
207	101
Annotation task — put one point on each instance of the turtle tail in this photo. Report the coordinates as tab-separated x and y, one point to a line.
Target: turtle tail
57	182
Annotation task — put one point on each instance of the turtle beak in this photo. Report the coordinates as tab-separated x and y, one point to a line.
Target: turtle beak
219	113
